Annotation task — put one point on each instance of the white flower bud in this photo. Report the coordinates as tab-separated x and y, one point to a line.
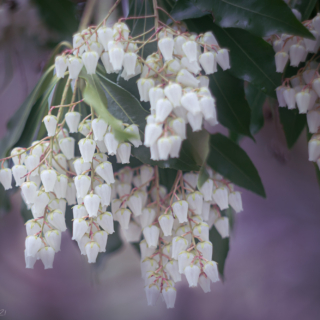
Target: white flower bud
53	238
195	201
207	189
105	58
82	244
50	123
303	100
280	97
166	48
147	217
151	234
178	43
99	127
123	216
73	119
135	204
220	196
202	230
163	109
166	224
92	203
222	226
41	201
204	283
29	191
129	63
211	270
209	38
87	148
312	45
60	66
208	61
223	59
281	59
154	95
82	184
60	161
32	161
105	171
173	92
169	295
192	274
75	65
164	147
124	151
111	143
32	227
195	121
180	209
152	133
179	127
314	149
104	192
208	108
90	60
6	178
206	249
33	245
193	67
297	53
67	147
80	166
184	259
79	228
18	159
104	36
92	249
152	293
235	201
48	178
116	55
101	237
144	85
172	268
187	79
56	218
176	142
316	86
179	244
105	220
46	255
190	50
290	98
190	102
71	193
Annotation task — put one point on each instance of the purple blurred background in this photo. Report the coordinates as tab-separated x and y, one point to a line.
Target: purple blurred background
272	271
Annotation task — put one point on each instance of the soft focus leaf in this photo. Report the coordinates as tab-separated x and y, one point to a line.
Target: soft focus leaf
256	100
305	7
25	212
230	160
260	17
293	124
5	204
55	52
203	176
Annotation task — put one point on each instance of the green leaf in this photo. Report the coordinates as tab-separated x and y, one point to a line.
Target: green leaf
25	212
233	109
305	7
55	52
17	123
230	160
293	124
256	100
260	17
203	176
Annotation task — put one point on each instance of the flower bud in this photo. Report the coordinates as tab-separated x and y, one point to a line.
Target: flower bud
185	231
190	50
192	273
105	220
169	295
71	193
204	283
73	119
92	249
123	216
184	259
56	218
152	293
211	270
208	109
314	149
67	147
48	178
166	47
32	227
207	189
290	98
99	127
105	58
18	159
90	60
46	255
104	36
190	102
129	63
235	201
164	147
79	228
223	59
105	171
179	244
60	161
163	109
173	92
101	237
180	210
147	217
201	230
193	67
175	146
92	203
60	66
297	53
208	61
187	79
303	100
152	133
206	249
220	196
33	245
144	85
75	65
151	234
195	121
124	152
173	269
50	123
111	143
53	238
166	224
82	184
133	233
29	190
195	201
222	226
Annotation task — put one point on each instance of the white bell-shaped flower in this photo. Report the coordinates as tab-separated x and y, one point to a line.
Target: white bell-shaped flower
313	119
6	178
32	227
155	94
105	58
166	224
203	82
116	55
289	95
184	259
281	59
61	66
191	178
101	237
133	233
71	193
92	203
204	283
235	201
79	211
124	152
185	231
193	67
190	50
172	268
104	192
50	123
145	250
92	249
297	53
21	156
169	296
105	35
99	127
135	204
314	149
208	61
163	109
53	238
202	230
120	30
173	92
316	86
82	184
105	220
29	190
303	100
33	245
123	216
67	147
46	255
75	65
90	60
144	85
82	243
147	217
187	79
176	142
48	178
207	189
166	47
312	45
60	187
87	148
195	202
146	173
151	234
220	196
223	59
179	244
80	166
154	152
195	121
280	97
148	264
180	210
152	133
192	273
84	128
129	63
79	228
133	129
211	270
123	189
222	226
190	102
206	249
178	43
111	143
179	127
152	293
209	38
56	218
164	147
208	108
41	201
31	162
73	119
105	171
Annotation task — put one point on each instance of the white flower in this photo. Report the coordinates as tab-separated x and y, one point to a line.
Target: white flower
297	53
180	210
41	201
79	228
32	227
124	151
29	191
75	65
144	85
111	143
18	159
289	95
313	119
48	178
120	30
166	224
90	60
33	245
163	109
155	94
280	97
220	196
204	283
61	66
164	147
223	59
104	36
133	129
92	249
133	233
152	133
209	38
53	238
205	248
314	149
166	47
184	259
190	102
192	273
105	171
179	244
281	59
67	147
195	201
71	193
87	148
123	216
105	58
92	202
152	293
105	220
129	63
173	269
179	127
235	201
195	121
145	250
151	234
99	127
176	142
202	230
207	189
190	50
147	217
316	86
135	204
154	152
104	192
56	218
187	79
208	61
46	255
116	55
173	92
193	67
80	166
303	100
211	270
82	184
73	119
222	226
169	296
50	123
101	237
191	178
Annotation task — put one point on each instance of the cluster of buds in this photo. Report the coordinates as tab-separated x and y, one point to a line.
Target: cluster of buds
302	90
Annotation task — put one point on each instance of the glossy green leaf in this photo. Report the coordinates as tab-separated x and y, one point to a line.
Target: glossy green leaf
260	17
293	124
305	7
230	160
203	176
17	123
256	100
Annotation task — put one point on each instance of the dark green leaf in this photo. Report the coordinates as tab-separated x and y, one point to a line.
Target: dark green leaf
260	17
230	160
25	212
203	176
256	100
167	177
17	123
293	124
305	7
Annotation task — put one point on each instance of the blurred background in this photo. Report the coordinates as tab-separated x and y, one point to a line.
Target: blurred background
273	267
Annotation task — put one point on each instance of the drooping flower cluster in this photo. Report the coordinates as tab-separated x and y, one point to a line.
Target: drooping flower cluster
302	91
